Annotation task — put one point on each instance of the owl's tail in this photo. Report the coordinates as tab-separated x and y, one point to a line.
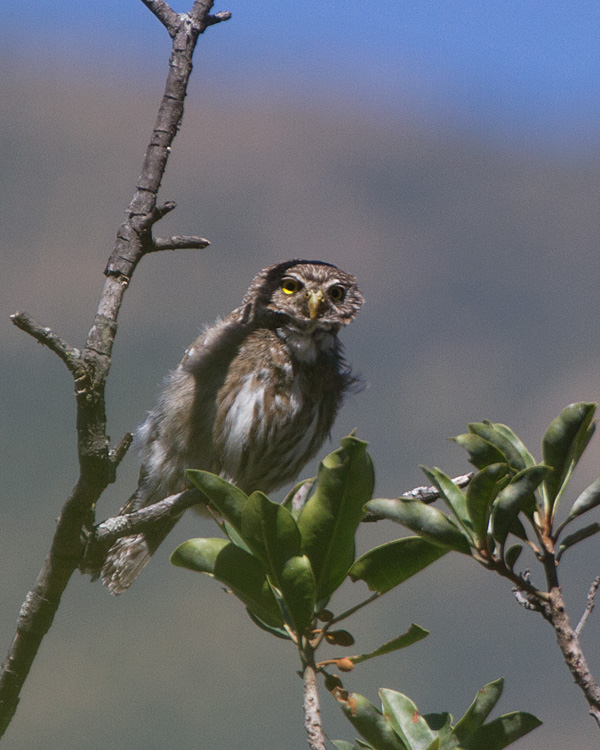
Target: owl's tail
128	557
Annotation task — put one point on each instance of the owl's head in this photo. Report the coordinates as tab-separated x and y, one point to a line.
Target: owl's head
313	294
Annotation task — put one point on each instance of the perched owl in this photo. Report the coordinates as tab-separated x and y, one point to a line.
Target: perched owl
253	398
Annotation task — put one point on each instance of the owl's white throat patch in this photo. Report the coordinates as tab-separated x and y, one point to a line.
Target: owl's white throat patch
307	344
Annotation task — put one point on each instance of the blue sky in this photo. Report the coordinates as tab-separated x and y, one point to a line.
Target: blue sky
516	68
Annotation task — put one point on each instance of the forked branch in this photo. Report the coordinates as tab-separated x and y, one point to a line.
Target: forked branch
90	367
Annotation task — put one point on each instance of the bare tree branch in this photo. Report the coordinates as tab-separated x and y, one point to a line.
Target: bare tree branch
568	642
109	531
589	607
425	494
91	366
178	242
67	353
165	14
312	714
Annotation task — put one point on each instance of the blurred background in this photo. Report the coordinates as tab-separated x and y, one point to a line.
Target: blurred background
448	155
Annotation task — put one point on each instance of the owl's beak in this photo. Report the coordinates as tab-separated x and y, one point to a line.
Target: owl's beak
315	300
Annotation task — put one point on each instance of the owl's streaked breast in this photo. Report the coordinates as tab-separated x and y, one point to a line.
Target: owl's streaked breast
271	421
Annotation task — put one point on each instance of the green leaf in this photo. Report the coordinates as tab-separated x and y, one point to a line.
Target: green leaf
501	732
270	532
479	710
516	443
343	745
441	724
406	720
228	499
514	498
588	499
329	520
199	555
577	536
277	632
512	555
273	536
452	495
414	634
481	452
238	570
424	519
563	443
298	589
388	565
481	493
497	437
369	721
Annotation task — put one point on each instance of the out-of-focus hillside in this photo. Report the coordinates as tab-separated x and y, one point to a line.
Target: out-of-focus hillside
480	267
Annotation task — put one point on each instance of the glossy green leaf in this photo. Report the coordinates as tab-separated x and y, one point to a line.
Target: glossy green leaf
404	717
238	570
423	519
388	565
481	453
199	555
270	532
329	519
298	589
228	499
479	710
516	443
563	443
343	745
518	530
414	634
481	493
452	495
512	555
514	498
497	437
277	632
441	724
370	722
588	499
501	732
577	536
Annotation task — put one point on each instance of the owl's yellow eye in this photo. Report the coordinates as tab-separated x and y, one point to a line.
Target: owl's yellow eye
337	293
290	286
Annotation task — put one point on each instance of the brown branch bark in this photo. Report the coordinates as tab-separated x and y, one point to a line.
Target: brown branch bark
67	353
312	714
91	366
571	650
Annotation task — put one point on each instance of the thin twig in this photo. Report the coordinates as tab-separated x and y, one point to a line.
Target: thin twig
589	607
573	655
165	14
46	336
424	494
212	19
178	242
118	453
111	529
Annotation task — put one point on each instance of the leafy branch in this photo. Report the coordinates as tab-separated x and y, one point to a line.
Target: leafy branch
285	562
511	495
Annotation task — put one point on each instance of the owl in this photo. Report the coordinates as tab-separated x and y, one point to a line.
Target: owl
252	400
